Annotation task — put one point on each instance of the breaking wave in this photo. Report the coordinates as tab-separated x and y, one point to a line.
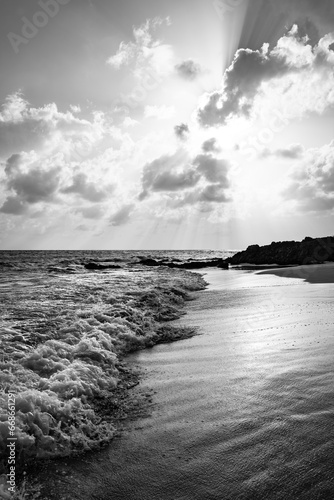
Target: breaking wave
62	340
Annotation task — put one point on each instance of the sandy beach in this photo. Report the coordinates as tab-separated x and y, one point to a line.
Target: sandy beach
242	410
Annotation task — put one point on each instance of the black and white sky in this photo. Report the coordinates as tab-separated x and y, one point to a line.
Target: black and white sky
165	124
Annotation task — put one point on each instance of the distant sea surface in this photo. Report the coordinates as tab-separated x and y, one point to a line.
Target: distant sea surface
74	260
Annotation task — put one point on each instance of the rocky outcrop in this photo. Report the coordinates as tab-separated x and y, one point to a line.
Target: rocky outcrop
191	264
94	266
308	251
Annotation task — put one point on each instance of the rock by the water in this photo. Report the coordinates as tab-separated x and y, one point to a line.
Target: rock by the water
94	266
190	264
308	251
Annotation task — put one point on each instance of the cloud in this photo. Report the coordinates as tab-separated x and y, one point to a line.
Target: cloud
60	159
251	71
168	173
181	131
311	184
145	51
36	185
129	122
293	152
121	216
87	189
189	70
266	20
161	112
75	109
213	169
13	206
28	183
210	146
187	181
83	227
92	212
25	128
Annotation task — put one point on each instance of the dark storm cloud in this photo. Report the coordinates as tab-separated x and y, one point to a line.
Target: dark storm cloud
87	190
189	69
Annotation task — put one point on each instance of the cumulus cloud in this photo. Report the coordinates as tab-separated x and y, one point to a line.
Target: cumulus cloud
187	181
129	122
145	51
311	185
75	108
28	183
213	169
267	20
210	146
160	112
36	185
181	131
292	152
121	216
87	189
53	157
168	173
250	70
189	69
25	128
91	212
13	206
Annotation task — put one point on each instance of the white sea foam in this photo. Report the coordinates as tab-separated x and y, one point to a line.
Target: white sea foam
61	340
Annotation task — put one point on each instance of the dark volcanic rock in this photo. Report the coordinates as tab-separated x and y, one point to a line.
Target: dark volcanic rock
308	251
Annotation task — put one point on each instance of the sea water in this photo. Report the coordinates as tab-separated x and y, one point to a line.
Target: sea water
63	329
244	410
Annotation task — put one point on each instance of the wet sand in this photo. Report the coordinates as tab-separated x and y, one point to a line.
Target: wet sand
244	410
318	273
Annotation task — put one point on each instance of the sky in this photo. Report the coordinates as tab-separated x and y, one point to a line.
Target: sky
155	124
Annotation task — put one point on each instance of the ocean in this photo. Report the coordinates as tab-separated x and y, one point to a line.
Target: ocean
243	409
63	332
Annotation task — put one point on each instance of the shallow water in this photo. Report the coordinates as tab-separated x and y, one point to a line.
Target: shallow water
62	340
245	410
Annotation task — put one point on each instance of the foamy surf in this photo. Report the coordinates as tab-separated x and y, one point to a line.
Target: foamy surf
62	338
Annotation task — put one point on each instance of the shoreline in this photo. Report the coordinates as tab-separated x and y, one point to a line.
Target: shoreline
174	439
129	405
312	273
160	302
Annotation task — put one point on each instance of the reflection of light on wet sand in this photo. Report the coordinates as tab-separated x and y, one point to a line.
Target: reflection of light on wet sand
243	410
318	273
